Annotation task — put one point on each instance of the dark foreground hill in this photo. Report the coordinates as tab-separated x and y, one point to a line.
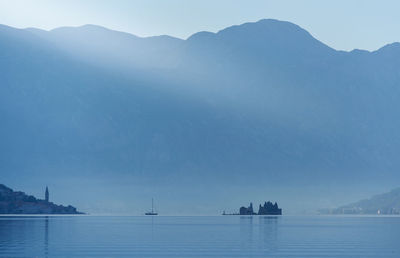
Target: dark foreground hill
12	202
259	109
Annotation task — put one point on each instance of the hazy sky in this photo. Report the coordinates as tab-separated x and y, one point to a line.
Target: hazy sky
342	24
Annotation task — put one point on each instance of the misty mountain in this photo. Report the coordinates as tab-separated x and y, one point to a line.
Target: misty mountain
251	110
387	203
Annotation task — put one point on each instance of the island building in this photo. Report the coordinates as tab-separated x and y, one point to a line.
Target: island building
267	209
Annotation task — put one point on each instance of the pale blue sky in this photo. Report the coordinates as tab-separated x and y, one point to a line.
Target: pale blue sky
342	24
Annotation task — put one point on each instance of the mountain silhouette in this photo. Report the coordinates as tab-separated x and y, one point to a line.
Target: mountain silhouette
251	110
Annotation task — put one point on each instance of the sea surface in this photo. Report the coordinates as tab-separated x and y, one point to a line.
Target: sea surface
199	236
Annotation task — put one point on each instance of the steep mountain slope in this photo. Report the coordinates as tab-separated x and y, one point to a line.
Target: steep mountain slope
257	109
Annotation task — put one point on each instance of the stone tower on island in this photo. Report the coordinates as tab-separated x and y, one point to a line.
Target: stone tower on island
46	195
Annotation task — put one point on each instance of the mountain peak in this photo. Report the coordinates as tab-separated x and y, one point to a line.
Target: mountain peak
264	23
395	46
267	35
264	26
270	30
86	27
201	35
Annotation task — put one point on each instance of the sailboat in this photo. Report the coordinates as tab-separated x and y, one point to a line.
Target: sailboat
152	209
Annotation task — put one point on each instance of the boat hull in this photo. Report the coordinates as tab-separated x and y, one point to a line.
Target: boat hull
151	213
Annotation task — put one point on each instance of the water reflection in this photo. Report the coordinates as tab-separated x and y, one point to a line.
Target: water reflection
268	232
227	236
24	235
246	231
259	232
46	236
152	228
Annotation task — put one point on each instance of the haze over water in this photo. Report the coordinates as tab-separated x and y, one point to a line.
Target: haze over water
217	236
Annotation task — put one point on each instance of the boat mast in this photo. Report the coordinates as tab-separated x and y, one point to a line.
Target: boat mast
152	205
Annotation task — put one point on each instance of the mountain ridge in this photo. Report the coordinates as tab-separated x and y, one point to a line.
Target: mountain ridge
158	116
261	21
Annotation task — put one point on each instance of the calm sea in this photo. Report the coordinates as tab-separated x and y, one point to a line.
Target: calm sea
219	236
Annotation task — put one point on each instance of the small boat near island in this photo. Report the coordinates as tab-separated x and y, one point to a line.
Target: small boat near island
152	212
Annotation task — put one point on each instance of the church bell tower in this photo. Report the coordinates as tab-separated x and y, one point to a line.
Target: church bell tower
46	195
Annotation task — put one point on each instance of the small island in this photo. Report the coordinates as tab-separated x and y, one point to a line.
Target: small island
15	202
267	209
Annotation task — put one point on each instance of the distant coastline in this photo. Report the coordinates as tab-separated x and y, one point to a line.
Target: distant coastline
381	204
19	203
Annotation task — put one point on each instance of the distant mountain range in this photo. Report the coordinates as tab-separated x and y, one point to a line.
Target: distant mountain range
12	202
260	109
385	204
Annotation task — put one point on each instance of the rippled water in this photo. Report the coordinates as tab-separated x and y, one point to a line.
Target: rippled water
219	236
